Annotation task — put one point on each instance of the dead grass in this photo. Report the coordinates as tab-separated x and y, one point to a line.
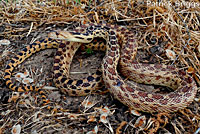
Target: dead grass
158	28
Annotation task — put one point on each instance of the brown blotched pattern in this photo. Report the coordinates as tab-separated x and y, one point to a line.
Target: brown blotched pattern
184	86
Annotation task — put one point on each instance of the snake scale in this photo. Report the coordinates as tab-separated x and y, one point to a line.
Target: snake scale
142	73
157	74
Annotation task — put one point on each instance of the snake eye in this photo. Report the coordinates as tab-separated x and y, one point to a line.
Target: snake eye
91	28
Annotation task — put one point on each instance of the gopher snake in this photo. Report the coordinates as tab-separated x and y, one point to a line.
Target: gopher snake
143	73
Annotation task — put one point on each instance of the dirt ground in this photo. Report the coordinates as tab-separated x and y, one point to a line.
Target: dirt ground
87	114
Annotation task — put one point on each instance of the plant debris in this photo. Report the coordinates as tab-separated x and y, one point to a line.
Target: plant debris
167	33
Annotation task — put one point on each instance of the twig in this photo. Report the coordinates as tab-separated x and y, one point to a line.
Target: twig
188	32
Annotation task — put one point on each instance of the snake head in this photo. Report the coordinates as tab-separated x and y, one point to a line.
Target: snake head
68	36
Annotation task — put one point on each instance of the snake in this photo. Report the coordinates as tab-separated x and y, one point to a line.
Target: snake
122	54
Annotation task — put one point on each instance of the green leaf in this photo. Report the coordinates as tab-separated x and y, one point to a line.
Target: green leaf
89	51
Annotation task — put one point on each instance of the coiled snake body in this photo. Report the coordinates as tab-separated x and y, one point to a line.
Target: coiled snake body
183	84
143	73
